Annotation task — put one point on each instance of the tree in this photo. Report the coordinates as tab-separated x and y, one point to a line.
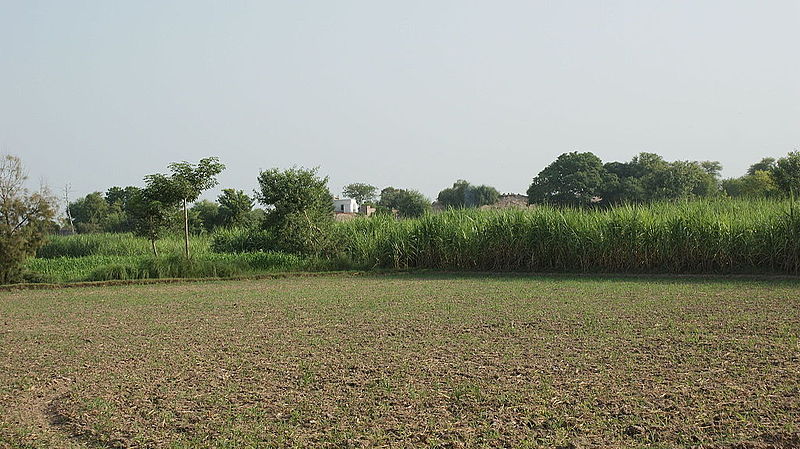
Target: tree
483	195
153	208
234	207
622	183
89	213
464	194
408	203
680	180
648	177
787	173
713	168
766	164
760	184
119	202
24	217
362	193
188	182
204	216
572	179
455	196
300	208
121	196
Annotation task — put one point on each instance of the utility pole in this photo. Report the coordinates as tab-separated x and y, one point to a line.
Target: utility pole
67	189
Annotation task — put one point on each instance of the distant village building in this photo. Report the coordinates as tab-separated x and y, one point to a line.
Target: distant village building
437	206
366	210
345	206
509	200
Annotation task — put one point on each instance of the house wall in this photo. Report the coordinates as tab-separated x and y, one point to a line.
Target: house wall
347	206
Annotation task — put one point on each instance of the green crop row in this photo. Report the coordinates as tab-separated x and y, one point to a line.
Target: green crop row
725	236
103	268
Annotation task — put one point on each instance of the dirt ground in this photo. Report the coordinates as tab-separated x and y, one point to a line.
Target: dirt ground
438	361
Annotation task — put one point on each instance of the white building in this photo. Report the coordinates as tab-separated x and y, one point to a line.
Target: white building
345	206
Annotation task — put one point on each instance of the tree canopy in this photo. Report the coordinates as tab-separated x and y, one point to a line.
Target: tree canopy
362	193
234	207
787	173
463	194
581	178
300	208
408	203
572	179
24	218
184	185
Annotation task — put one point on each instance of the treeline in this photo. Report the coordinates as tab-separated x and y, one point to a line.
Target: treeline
115	211
296	213
572	179
579	179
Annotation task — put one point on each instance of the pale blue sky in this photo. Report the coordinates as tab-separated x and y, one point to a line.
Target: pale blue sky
405	93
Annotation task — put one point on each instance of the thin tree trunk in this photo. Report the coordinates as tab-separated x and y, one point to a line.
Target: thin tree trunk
155	250
186	228
69	215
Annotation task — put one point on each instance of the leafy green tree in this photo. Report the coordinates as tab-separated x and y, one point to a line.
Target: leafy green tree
681	180
648	177
89	213
760	184
622	183
483	195
234	207
464	194
24	218
572	179
456	196
713	168
300	208
644	164
766	164
408	203
204	216
255	218
187	181
119	202
787	173
362	193
153	208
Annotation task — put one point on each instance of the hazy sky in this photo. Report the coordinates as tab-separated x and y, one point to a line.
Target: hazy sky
405	93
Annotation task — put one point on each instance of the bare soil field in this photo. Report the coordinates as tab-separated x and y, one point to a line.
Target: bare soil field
438	361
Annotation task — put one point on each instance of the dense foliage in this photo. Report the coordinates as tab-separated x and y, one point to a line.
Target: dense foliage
463	194
300	209
24	218
361	192
407	203
573	179
579	179
720	236
644	215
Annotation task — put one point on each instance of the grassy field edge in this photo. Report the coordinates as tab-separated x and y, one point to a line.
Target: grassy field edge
422	273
